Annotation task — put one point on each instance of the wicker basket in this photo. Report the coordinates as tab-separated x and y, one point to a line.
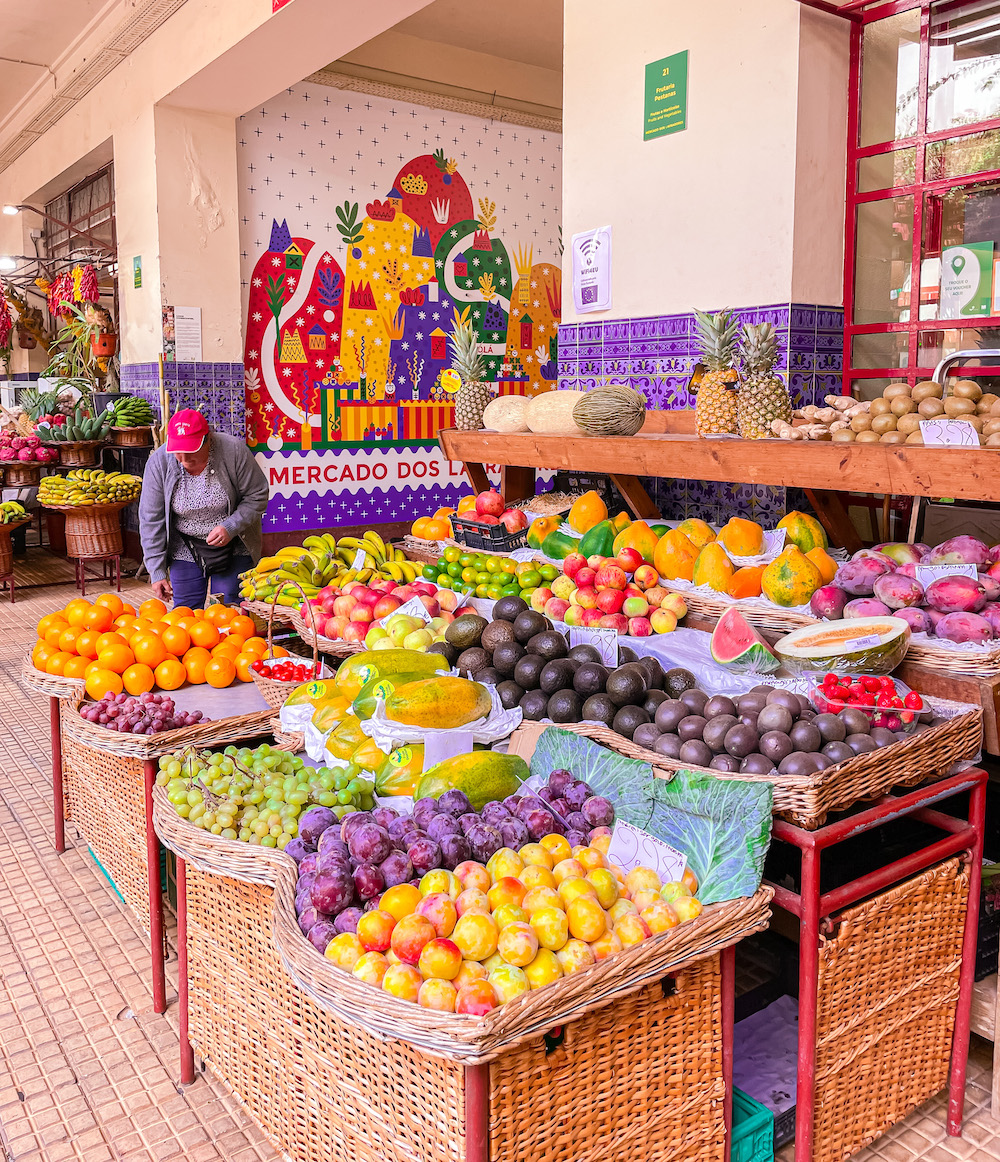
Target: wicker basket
261	610
137	437
761	614
806	800
272	691
639	1078
333	647
888	989
18	474
92	530
284	739
7	547
51	685
78	453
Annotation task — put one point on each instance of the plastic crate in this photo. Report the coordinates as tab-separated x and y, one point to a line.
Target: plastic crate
491	538
753	1130
578	482
988	941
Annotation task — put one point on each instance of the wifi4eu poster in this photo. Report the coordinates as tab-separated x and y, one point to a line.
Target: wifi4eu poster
592	269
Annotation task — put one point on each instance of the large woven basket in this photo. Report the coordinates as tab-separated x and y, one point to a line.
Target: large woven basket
78	453
7	547
18	474
92	530
282	614
806	800
272	691
137	437
333	647
447	1035
51	685
983	662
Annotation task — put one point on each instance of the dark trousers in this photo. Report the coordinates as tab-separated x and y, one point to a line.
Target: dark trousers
190	584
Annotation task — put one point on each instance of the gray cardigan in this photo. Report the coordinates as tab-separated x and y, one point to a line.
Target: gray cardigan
239	474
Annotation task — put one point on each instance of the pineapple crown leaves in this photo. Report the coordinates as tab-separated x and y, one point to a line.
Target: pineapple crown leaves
758	349
717	336
465	352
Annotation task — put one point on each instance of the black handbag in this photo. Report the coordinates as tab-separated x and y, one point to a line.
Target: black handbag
212	560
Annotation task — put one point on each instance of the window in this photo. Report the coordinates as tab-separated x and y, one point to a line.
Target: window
923	246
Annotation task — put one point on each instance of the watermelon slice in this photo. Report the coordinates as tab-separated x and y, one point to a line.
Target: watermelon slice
739	647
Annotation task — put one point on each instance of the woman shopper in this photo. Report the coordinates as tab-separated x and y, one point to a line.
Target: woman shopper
200	512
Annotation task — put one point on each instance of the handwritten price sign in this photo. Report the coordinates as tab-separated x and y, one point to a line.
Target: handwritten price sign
632	848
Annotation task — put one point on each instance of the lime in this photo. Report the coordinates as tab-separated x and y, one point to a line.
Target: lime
440	564
493	564
508	564
444	582
465	559
429	572
511	591
548	572
452	554
482	591
529	579
478	562
483	578
494	592
454	569
468	575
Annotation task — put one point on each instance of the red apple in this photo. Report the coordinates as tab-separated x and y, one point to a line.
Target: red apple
586	596
662	621
592	617
614	621
462	609
611	577
430	604
555	608
595	562
326	591
355	631
586	576
446	598
573	564
489	504
635	607
639	627
405	592
424	589
610	600
342	606
539	598
646	577
574	615
363	612
632	591
628	558
328	603
514	520
335	626
385	606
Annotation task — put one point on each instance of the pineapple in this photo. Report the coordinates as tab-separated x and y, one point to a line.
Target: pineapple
473	396
715	407
761	396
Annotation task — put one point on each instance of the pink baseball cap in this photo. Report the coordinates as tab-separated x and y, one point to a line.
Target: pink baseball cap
186	431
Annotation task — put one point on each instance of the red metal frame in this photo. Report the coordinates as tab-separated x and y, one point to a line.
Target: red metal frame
862	13
156	946
810	905
187	1053
59	828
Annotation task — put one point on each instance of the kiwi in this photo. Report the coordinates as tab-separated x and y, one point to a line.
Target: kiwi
954	406
991	427
976	421
883	424
902	405
928	389
880	407
967	389
930	408
861	422
987	402
870	437
892	438
844	436
993	441
915	438
908	423
896	389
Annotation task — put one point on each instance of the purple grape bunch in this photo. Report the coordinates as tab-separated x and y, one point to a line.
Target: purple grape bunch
138	714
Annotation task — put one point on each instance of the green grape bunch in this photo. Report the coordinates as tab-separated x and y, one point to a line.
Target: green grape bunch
256	796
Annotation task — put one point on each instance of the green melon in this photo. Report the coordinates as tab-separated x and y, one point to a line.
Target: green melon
739	647
856	645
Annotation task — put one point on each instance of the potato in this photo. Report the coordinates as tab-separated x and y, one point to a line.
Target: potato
892	438
844	436
868	438
991	427
882	424
930	408
861	423
896	389
928	389
915	438
967	389
908	423
957	406
902	405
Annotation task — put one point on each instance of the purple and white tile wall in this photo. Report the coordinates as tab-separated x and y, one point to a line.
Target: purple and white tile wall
216	389
656	356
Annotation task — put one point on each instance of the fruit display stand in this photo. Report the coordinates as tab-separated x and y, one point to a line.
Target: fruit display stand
93	534
629	1058
7	554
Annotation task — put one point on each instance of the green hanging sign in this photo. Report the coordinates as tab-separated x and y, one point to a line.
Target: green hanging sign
666	96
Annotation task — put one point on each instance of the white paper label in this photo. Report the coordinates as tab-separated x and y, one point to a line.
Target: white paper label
412	608
533	784
632	848
359	559
442	745
944	433
928	574
863	643
603	639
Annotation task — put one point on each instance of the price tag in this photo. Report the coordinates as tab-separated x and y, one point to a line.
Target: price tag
359	559
928	574
632	848
446	744
605	641
863	643
412	608
944	433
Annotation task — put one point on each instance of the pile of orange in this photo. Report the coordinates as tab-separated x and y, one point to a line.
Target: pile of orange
436	527
115	647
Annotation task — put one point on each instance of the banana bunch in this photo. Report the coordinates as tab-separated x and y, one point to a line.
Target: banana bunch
130	411
79	426
11	511
322	561
88	486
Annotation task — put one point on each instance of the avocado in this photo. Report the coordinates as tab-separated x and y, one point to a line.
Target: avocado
526	625
550	644
496	633
507	655
599	708
446	650
466	632
556	675
471	660
654	673
677	680
626	686
653	700
509	608
584	654
527	671
590	678
487	676
534	706
565	706
510	694
628	719
626	654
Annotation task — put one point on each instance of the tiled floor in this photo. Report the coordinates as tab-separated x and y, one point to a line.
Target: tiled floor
87	1070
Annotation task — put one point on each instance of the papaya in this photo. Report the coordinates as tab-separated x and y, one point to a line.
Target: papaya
697	531
713	568
443	703
824	562
638	536
346	739
369	756
483	776
361	668
742	538
660	528
587	511
329	712
790	579
621	521
540	528
401	771
314	692
598	541
746	582
803	531
559	545
675	556
366	701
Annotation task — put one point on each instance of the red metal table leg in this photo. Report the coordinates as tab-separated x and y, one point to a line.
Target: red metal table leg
727	987
960	1040
155	894
57	775
808	999
187	1053
477	1113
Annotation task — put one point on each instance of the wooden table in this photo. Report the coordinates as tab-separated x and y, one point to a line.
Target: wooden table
668	447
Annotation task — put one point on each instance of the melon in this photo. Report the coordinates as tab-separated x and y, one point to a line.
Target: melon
551	413
739	647
856	645
506	414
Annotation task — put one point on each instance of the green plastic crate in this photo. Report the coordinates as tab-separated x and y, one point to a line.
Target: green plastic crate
753	1129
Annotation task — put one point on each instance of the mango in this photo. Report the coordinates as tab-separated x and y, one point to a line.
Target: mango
713	568
621	521
639	536
824	562
674	556
540	528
